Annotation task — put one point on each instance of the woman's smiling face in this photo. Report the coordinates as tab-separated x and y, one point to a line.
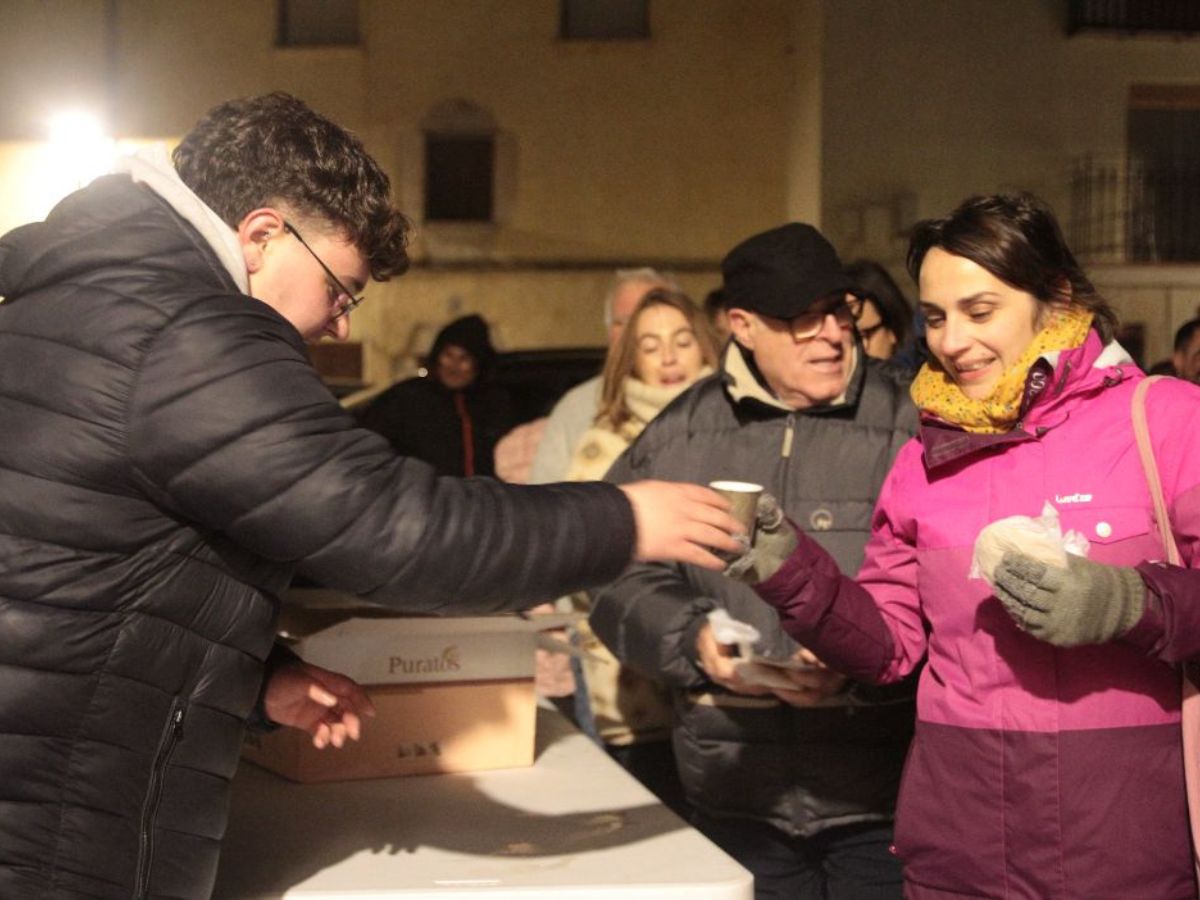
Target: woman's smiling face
667	352
976	325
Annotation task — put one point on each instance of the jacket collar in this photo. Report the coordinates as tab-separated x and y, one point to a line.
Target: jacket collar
1056	381
746	386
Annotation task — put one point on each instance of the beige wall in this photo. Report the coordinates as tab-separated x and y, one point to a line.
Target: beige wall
665	151
805	113
669	148
927	102
52	54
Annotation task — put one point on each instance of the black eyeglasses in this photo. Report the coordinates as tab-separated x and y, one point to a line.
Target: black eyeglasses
858	303
348	302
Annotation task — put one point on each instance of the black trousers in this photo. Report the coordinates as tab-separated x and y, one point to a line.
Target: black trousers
849	862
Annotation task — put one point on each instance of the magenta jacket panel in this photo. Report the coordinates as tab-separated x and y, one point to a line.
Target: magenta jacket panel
1036	772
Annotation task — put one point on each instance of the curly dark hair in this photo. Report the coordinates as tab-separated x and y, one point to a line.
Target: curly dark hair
275	150
1017	238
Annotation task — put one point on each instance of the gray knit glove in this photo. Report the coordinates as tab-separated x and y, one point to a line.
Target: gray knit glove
774	542
1085	603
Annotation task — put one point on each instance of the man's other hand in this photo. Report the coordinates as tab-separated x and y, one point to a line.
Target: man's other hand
327	705
719	663
813	686
682	523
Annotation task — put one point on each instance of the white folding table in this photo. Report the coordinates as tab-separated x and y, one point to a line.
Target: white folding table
573	825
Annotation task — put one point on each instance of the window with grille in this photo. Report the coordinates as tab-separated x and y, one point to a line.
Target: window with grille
1143	205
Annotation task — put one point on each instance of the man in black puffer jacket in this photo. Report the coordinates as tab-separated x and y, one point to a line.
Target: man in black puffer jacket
799	784
169	458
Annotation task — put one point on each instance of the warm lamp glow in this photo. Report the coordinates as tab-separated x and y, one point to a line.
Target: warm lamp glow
35	175
79	149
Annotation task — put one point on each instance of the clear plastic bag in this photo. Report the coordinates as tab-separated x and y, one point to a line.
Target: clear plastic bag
753	667
1041	538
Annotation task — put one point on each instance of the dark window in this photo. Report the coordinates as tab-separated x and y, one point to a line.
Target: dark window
1164	174
605	19
316	23
458	177
1131	16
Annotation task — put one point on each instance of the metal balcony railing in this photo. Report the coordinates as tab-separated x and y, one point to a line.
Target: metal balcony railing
1134	16
1126	211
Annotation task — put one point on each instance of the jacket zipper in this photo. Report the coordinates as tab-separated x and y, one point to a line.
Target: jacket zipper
785	456
172	732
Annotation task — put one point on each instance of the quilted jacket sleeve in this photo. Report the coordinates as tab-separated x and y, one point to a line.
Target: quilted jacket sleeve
229	427
869	628
650	615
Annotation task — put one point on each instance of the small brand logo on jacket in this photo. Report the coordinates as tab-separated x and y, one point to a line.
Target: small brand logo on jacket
448	662
1072	498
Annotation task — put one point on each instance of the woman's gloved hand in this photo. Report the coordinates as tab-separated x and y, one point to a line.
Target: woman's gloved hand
774	542
1085	603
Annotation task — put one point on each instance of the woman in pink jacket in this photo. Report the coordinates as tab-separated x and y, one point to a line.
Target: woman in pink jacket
1047	759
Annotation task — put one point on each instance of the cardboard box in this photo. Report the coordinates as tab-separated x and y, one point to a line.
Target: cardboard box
421	729
452	694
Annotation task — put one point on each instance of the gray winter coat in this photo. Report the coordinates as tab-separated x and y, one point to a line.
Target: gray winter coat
801	770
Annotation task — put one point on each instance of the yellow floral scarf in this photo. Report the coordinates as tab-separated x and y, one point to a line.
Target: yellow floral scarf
935	392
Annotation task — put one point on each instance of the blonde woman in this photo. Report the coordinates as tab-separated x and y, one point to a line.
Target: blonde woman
666	347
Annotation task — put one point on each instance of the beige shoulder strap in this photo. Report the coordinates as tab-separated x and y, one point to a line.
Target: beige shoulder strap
1141	433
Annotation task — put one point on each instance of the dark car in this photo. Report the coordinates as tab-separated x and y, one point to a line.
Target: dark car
534	378
537	378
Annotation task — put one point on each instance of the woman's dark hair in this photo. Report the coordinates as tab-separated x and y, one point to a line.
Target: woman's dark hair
1017	239
875	284
276	151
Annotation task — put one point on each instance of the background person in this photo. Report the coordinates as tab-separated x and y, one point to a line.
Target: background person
796	784
453	417
575	412
1047	758
664	349
883	314
1186	356
717	315
171	458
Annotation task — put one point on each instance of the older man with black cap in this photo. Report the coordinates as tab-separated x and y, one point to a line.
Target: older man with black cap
794	771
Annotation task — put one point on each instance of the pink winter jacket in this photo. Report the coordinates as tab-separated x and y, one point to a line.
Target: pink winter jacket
1036	772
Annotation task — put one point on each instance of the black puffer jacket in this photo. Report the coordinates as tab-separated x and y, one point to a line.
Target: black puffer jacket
801	770
168	459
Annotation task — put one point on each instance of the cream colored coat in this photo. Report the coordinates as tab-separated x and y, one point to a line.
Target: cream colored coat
627	707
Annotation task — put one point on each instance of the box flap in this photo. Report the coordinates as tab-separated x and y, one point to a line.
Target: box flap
376	645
